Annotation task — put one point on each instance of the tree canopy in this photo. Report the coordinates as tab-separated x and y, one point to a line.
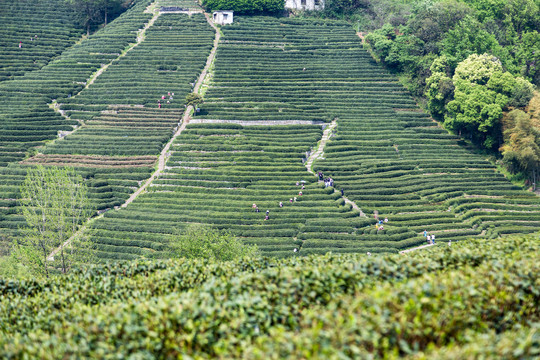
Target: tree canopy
54	203
205	242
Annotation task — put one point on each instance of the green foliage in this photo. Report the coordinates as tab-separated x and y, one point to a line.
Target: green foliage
346	306
246	6
521	151
467	38
431	21
54	202
528	56
453	31
205	242
341	8
439	87
92	12
194	99
482	91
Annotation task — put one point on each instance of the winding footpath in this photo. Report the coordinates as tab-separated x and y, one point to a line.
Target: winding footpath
416	248
185	119
319	153
141	34
165	152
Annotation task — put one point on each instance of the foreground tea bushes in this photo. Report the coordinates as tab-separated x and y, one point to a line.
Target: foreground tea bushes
336	306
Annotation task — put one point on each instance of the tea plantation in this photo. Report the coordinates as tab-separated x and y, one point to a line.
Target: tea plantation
474	300
110	103
274	82
117	138
33	33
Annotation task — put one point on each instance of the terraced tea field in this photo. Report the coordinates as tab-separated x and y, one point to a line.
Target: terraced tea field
274	87
33	33
26	120
214	175
116	139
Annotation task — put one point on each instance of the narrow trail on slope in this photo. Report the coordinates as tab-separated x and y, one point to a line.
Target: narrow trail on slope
165	152
212	55
320	151
185	119
141	34
319	154
416	248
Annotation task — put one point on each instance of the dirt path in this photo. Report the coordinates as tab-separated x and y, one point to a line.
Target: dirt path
165	152
257	122
416	248
319	154
353	204
320	150
362	36
212	55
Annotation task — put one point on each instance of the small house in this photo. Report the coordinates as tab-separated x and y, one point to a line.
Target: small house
304	4
223	17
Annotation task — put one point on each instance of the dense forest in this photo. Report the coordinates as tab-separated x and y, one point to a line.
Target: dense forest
473	64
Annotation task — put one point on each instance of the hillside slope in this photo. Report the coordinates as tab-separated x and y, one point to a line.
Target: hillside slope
33	33
276	85
274	82
141	57
476	299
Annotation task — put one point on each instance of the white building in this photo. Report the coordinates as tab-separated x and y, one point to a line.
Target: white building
304	4
223	17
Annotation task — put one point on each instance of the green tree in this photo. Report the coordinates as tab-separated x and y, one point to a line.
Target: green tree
205	242
111	7
482	91
54	202
88	11
439	89
340	8
467	38
194	99
246	6
432	20
523	14
521	150
488	9
476	109
527	55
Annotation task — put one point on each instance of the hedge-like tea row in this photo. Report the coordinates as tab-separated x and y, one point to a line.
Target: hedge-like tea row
333	306
215	173
127	129
24	100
